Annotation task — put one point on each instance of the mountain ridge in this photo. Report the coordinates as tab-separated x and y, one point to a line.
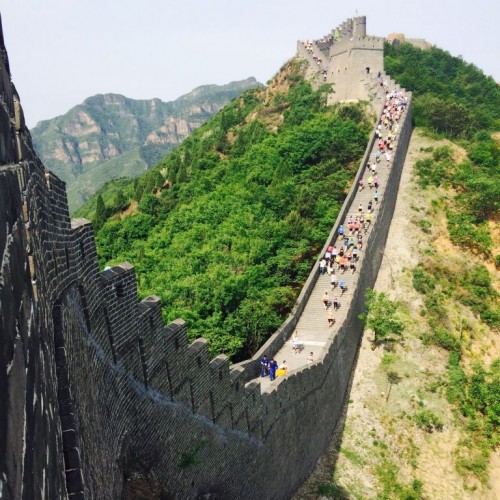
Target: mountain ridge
132	133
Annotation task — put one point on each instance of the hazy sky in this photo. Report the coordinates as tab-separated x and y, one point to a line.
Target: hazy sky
62	51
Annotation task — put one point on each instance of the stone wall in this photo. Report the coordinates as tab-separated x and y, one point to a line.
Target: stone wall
31	458
346	57
100	392
349	60
399	38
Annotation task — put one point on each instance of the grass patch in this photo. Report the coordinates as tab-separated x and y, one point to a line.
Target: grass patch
388	359
353	456
387	473
425	225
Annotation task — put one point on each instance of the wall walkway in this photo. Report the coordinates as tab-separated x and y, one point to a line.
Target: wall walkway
312	326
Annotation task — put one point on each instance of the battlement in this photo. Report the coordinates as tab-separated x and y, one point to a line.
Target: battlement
343	58
356	43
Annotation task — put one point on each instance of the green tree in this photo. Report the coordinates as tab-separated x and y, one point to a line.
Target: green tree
121	202
482	194
138	189
381	317
100	213
224	122
150	205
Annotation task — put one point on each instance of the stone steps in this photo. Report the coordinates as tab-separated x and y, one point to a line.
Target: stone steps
312	327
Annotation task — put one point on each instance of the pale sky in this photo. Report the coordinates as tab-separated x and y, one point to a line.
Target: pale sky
63	51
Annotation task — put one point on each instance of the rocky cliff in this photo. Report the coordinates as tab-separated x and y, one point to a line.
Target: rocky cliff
110	135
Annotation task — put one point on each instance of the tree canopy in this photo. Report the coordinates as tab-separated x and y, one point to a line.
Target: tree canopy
229	224
449	95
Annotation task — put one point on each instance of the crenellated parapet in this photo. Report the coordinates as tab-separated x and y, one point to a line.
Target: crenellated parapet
344	58
356	43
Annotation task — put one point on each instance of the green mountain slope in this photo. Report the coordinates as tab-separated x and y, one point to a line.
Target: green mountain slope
229	224
110	136
451	96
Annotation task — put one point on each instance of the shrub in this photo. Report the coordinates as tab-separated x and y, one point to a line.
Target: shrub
121	202
332	490
423	281
382	317
425	225
443	338
466	231
190	458
428	421
497	261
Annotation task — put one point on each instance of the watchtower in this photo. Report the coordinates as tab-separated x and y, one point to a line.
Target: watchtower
354	59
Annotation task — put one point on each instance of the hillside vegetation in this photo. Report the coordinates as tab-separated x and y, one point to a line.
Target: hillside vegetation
456	100
110	135
450	96
227	226
424	412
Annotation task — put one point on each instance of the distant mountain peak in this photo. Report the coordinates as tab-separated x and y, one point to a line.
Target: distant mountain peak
111	135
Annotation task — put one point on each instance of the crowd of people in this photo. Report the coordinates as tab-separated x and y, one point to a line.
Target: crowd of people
309	46
322	45
325	40
344	253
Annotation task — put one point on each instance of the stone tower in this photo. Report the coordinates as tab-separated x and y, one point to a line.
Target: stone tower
359	26
353	60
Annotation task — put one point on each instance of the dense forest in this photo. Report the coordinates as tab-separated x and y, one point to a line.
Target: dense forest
226	228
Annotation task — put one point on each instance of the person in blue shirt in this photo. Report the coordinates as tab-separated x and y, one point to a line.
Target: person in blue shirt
264	366
343	285
355	253
273	366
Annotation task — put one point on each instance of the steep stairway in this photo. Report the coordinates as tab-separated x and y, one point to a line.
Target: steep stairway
312	327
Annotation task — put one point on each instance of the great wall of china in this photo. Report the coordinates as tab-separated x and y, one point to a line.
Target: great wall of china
97	389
